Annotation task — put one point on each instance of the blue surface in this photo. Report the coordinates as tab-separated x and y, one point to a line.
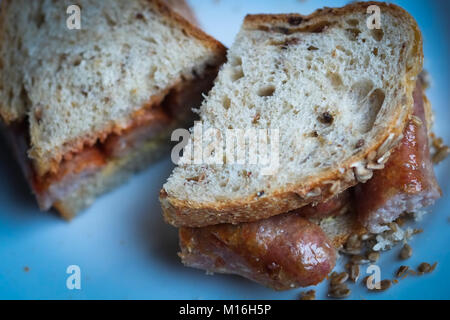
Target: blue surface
123	247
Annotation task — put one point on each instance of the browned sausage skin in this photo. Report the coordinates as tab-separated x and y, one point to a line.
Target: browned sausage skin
407	182
282	252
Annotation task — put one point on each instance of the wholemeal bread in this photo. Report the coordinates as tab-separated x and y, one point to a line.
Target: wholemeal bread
129	76
338	92
65	82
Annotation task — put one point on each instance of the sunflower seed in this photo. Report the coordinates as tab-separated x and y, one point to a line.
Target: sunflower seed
382	285
402	271
339	291
359	259
441	154
406	252
308	295
425	267
373	256
354	272
339	278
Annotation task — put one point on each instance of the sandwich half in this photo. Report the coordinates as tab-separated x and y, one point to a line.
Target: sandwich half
85	108
347	109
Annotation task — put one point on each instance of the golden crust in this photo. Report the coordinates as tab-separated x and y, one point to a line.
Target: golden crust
188	27
193	214
183	9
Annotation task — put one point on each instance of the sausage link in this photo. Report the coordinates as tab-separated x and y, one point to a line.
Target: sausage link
407	183
282	252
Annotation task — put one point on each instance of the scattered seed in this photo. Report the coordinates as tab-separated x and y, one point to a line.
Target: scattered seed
400	221
433	266
402	271
339	291
437	142
425	267
382	285
365	280
359	259
395	281
373	256
308	295
411	271
393	226
353	242
339	278
367	236
354	272
441	154
406	252
417	231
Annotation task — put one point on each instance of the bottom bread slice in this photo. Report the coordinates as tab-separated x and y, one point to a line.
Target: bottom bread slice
115	173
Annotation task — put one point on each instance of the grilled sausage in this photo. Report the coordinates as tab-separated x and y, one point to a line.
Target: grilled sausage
407	182
281	252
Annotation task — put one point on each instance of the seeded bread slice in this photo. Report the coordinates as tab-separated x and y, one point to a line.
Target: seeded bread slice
338	92
74	87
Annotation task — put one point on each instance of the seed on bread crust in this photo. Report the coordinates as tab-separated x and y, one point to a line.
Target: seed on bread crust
361	173
386	145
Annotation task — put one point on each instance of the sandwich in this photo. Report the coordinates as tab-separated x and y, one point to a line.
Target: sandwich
349	119
86	107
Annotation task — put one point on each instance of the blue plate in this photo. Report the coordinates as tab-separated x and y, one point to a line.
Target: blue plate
126	251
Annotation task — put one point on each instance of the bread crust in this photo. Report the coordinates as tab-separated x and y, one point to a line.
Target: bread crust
180	212
188	27
182	7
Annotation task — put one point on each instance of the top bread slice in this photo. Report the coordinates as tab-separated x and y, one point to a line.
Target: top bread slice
75	87
339	93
